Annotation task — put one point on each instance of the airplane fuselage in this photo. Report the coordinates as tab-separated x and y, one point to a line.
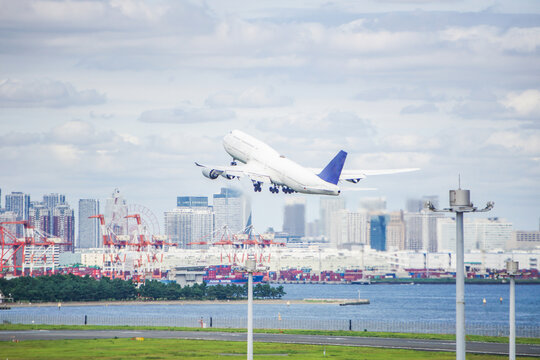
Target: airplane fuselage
281	170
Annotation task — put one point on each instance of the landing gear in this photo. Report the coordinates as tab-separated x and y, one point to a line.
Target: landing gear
257	186
234	163
274	189
288	190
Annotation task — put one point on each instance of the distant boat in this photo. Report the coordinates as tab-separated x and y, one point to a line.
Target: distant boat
361	282
234	279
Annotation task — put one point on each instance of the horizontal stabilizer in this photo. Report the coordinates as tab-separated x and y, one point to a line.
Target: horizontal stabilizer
332	171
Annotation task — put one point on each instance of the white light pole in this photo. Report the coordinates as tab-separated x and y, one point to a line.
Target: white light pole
459	203
512	268
250	268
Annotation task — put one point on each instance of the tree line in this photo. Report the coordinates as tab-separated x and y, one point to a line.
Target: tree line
75	288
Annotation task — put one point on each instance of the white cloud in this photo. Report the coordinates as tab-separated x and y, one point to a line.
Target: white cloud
419	109
520	143
525	40
45	93
334	125
252	97
186	115
410	142
526	103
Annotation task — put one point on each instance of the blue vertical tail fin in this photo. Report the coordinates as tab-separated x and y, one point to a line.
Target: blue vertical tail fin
332	171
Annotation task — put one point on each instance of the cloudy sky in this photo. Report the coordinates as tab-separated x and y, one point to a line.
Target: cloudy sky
96	95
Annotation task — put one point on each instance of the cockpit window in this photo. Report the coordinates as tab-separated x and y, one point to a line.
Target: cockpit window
282	156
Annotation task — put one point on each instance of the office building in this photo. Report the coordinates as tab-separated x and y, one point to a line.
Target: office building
63	225
232	210
192	201
327	207
294	217
421	231
39	218
377	231
89	228
395	231
18	203
9	216
524	240
479	234
53	199
349	228
186	225
116	210
417	205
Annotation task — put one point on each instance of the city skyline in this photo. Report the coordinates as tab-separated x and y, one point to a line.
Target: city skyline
129	94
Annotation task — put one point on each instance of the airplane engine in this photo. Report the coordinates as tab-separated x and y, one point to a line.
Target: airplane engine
228	177
211	173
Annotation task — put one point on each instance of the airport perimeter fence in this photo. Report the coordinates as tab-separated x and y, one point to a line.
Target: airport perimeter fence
420	326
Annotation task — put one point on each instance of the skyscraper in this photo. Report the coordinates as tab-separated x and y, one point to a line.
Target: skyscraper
18	203
479	234
185	225
421	231
327	207
192	201
116	211
395	231
416	205
232	209
53	199
40	218
89	236
377	231
294	217
63	225
349	228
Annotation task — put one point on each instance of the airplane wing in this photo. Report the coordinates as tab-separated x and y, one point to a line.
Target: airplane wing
355	176
230	172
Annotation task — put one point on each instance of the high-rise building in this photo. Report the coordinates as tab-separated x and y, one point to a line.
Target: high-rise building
327	207
294	217
349	228
9	216
377	231
18	203
192	201
417	205
395	231
421	231
89	233
53	199
232	209
185	225
313	228
39	218
116	210
524	240
479	234
63	225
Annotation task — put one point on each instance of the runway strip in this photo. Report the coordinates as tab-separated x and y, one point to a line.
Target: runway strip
389	343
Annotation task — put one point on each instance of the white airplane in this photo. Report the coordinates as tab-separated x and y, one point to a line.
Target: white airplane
262	164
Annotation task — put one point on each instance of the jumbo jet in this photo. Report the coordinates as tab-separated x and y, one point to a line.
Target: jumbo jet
264	165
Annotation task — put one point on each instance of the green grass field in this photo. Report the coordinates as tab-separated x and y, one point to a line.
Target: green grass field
200	349
494	339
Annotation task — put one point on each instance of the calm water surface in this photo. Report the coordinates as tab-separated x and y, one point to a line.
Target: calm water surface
388	302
